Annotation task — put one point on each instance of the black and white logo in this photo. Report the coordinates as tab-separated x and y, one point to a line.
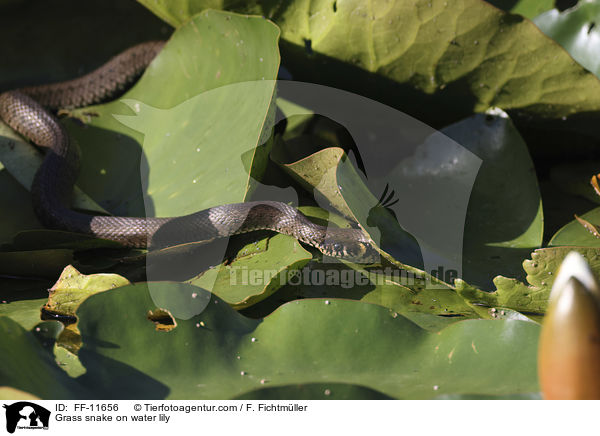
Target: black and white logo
26	415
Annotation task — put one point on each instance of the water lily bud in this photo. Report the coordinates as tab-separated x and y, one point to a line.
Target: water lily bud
569	348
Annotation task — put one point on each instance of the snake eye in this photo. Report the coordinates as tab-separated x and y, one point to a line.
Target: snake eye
337	247
361	248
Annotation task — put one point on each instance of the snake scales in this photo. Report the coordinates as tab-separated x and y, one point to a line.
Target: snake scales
29	111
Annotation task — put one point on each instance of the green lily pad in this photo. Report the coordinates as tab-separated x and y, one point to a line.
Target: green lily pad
21	300
323	217
72	288
31	368
295	122
319	172
25	312
333	179
577	30
22	160
573	233
530	396
527	8
68	362
541	270
201	106
314	391
13	394
69	291
404	292
436	60
255	275
504	220
310	341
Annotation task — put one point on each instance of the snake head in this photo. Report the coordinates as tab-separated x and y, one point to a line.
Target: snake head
350	245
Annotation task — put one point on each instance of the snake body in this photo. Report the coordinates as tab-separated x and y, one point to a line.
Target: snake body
29	111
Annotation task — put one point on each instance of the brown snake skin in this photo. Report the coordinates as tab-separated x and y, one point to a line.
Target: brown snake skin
28	111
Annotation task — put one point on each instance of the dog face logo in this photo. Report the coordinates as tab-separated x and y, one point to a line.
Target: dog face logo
26	415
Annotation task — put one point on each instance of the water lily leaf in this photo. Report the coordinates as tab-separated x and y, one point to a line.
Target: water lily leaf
335	182
72	288
576	29
319	172
497	236
69	291
532	297
573	233
402	291
179	11
12	394
527	8
443	302
31	368
299	343
313	391
215	71
21	300
290	110
25	312
22	160
421	55
68	362
323	217
255	275
530	396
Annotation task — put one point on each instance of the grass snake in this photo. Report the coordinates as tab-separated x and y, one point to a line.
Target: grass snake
30	111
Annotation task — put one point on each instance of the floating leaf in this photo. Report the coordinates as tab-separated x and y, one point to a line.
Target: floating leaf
497	234
313	391
21	300
15	394
577	30
429	305
31	368
309	341
203	74
71	289
574	233
255	276
434	59
527	8
541	271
